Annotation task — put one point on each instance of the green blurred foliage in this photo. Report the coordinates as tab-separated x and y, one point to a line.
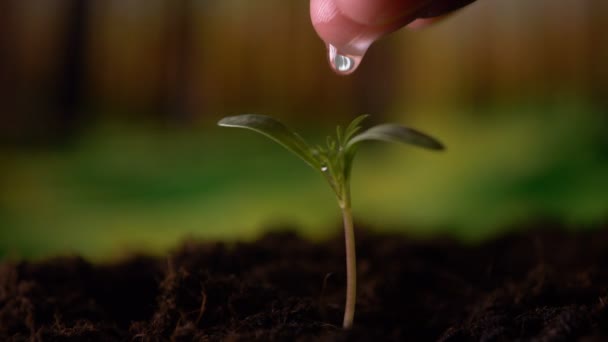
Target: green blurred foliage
134	188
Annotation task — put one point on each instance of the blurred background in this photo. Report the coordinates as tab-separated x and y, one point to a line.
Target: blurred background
108	140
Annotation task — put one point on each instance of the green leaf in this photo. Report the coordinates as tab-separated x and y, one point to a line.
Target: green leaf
339	135
396	133
354	127
276	131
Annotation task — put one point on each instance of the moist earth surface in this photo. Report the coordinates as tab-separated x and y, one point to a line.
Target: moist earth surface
547	284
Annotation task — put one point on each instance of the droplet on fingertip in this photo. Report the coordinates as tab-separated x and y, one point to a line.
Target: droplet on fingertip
342	63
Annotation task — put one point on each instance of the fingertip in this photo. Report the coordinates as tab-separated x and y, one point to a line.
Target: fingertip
355	24
332	26
322	11
377	12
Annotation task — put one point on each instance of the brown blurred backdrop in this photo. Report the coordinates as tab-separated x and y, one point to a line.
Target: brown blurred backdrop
108	109
66	62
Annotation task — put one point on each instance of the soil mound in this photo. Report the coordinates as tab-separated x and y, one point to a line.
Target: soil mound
541	285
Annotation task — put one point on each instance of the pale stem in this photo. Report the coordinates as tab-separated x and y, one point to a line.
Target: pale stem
351	266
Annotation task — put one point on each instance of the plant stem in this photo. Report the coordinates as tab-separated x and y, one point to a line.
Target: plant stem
351	266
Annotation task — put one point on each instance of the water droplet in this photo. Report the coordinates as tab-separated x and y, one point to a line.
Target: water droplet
343	63
324	168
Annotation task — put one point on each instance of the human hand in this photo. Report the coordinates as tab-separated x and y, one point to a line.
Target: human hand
349	27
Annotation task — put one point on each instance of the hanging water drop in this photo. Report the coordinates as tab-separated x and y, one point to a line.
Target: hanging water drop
324	168
342	63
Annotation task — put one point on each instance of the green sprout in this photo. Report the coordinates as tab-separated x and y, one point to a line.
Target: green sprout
335	161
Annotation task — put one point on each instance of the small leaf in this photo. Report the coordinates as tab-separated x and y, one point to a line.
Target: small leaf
331	143
396	133
276	131
354	127
339	134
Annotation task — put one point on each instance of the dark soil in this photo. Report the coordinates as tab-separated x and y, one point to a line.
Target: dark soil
546	285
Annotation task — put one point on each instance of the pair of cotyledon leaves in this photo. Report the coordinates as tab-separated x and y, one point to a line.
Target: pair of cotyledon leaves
349	139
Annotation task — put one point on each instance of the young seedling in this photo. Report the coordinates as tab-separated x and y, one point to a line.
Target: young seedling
335	161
